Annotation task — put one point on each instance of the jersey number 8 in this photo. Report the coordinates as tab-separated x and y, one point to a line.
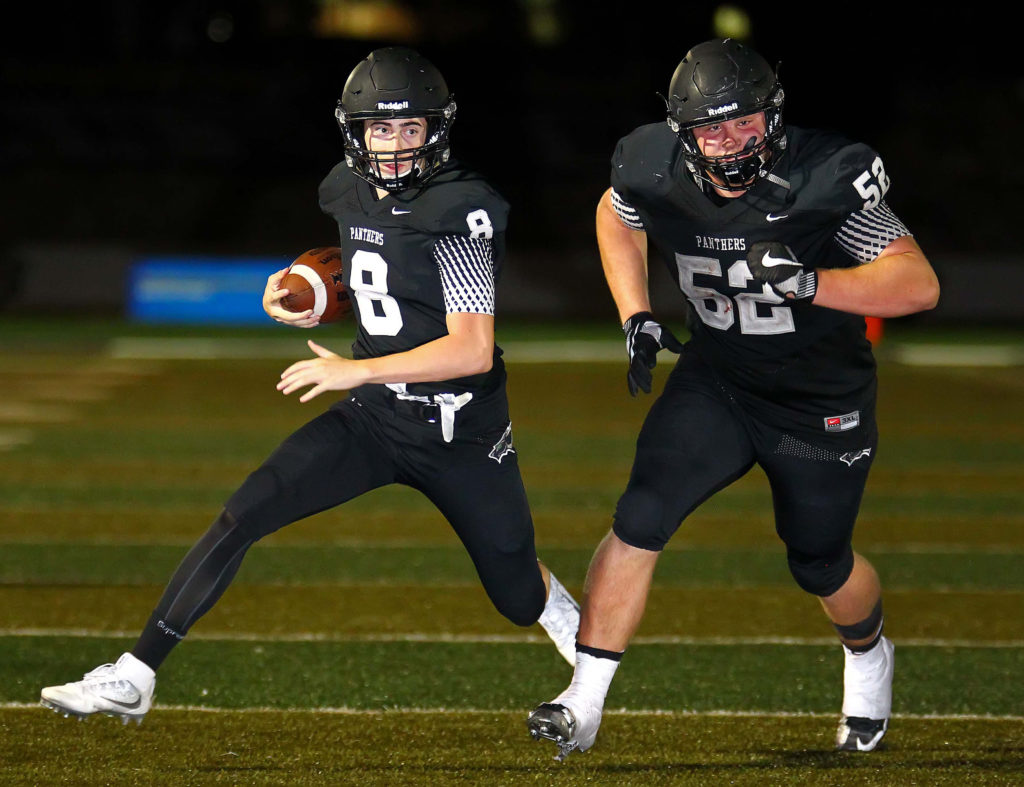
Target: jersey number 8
379	313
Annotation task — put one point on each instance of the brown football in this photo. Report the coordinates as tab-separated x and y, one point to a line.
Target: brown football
314	281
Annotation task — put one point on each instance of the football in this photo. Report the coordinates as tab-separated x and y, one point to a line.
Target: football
314	281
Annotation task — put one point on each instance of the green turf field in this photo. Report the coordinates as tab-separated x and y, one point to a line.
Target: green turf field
357	647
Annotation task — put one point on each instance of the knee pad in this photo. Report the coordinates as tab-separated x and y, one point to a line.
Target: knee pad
821	576
640	519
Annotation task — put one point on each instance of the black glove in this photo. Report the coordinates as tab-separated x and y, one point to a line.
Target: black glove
644	337
775	263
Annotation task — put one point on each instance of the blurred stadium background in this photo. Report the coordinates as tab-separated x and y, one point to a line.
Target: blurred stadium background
201	128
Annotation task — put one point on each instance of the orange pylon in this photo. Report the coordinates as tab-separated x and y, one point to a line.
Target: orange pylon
874	330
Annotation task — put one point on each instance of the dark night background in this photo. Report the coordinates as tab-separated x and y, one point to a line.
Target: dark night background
131	128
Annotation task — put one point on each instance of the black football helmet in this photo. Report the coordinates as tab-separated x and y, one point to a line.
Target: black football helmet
719	80
395	82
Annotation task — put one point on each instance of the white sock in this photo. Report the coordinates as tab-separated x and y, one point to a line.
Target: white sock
867	682
868	658
590	681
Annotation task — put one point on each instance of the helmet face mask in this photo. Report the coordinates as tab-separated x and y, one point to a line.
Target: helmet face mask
394	83
718	81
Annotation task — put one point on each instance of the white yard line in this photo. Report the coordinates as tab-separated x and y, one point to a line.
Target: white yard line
500	639
638	712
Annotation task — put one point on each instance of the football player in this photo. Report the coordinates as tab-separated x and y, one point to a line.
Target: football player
780	240
422	240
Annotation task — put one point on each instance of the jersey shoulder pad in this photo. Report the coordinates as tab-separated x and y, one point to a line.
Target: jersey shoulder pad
339	182
459	201
643	162
830	172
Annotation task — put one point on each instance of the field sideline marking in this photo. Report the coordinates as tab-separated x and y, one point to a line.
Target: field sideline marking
642	712
523	351
502	639
957	355
14	438
200	348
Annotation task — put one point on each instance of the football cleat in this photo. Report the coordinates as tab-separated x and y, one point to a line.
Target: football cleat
860	734
561	620
107	690
571	729
867	697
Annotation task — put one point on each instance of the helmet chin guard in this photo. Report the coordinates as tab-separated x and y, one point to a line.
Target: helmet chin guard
392	83
722	80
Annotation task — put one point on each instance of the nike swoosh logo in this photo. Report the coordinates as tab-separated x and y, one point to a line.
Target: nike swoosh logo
769	261
125	705
869	745
399	212
772	217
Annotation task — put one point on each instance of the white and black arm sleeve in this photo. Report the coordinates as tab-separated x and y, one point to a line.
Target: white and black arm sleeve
627	213
467	273
866	233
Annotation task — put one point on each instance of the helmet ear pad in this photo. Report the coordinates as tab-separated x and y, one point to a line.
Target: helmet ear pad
390	83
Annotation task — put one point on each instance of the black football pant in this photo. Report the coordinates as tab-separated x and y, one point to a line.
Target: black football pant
696	440
352	448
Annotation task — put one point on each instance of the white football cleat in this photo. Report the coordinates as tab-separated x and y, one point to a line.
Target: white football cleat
124	689
561	619
571	724
867	697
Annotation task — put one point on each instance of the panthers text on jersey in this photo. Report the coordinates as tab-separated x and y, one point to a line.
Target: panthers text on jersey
793	361
413	257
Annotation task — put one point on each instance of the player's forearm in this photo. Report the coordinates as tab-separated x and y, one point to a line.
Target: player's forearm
624	260
628	286
896	284
445	358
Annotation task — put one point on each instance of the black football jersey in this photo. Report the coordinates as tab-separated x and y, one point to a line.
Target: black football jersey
796	363
411	258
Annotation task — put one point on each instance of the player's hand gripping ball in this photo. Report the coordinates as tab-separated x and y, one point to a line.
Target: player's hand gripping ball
314	281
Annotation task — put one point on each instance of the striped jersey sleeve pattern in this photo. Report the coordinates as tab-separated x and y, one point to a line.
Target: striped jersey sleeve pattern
865	233
626	212
467	274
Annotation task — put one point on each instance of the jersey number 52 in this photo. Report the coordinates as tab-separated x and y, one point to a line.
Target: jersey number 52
872	183
761	313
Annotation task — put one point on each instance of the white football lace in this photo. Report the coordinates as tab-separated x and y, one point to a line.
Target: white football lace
101	671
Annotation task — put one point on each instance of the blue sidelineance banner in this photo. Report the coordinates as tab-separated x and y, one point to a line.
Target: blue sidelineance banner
222	290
